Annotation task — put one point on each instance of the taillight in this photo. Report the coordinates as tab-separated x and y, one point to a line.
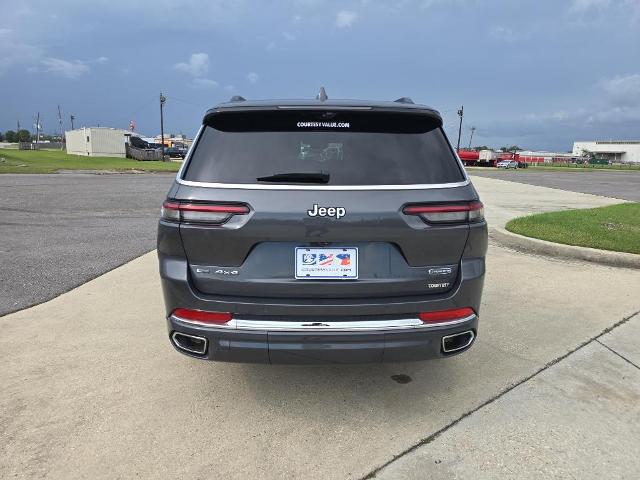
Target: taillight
200	316
216	214
442	316
450	213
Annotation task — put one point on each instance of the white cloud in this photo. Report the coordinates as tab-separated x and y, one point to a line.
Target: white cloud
271	46
64	68
623	90
345	18
230	88
102	59
501	32
197	66
252	77
289	36
584	5
203	83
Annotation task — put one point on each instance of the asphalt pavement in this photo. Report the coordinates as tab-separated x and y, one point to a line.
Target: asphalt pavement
624	185
59	231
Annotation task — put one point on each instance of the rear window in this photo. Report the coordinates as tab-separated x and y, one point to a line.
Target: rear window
346	147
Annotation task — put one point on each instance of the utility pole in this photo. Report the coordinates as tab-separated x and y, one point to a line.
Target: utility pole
473	129
460	114
38	128
162	100
73	117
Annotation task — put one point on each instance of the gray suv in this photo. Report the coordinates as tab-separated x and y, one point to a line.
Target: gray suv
322	231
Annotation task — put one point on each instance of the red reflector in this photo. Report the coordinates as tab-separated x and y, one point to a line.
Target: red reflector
445	315
464	207
216	318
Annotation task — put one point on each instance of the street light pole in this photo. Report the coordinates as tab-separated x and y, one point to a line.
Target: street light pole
460	114
162	100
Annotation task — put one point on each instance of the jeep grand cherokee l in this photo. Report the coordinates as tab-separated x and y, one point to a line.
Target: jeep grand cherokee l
332	231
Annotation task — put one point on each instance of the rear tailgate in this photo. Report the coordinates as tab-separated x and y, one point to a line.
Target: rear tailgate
367	165
397	254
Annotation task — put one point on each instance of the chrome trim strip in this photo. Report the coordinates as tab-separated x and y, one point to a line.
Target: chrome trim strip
249	186
471	339
182	347
331	326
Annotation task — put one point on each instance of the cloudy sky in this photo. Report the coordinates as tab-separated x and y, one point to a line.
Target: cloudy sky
538	73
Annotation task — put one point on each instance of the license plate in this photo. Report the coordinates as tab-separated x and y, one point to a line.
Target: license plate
327	263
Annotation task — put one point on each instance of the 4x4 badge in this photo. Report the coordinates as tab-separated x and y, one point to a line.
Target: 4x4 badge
317	211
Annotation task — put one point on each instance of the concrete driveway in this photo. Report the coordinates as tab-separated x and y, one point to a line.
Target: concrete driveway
91	387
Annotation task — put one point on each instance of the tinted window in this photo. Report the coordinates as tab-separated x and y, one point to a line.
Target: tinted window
354	148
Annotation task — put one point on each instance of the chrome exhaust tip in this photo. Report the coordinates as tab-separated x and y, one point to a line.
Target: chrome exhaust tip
189	343
457	341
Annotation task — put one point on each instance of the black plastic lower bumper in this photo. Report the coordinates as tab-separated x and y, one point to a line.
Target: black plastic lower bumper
283	347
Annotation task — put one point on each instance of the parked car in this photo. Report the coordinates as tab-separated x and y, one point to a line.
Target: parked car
319	231
176	152
507	164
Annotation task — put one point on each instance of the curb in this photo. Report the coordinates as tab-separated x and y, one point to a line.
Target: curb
558	250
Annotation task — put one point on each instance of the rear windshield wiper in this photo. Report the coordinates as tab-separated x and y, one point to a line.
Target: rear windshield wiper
301	177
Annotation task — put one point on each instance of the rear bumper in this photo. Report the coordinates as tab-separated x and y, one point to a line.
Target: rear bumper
263	344
347	345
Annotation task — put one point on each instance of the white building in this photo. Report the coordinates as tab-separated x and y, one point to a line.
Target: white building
617	151
97	142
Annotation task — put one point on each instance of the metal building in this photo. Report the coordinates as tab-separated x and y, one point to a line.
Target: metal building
616	151
97	142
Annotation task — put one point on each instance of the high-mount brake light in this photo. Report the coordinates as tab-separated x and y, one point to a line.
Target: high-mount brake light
443	316
211	213
200	316
449	213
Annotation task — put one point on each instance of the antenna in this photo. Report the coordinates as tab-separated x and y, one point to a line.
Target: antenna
237	98
403	100
322	95
473	129
60	127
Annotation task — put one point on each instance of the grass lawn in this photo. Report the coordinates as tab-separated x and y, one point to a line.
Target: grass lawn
616	227
49	161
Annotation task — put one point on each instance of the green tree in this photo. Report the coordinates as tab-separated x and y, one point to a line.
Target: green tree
10	136
512	148
1	137
481	147
24	136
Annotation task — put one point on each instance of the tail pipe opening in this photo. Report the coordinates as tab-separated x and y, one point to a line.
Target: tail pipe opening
189	343
457	341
